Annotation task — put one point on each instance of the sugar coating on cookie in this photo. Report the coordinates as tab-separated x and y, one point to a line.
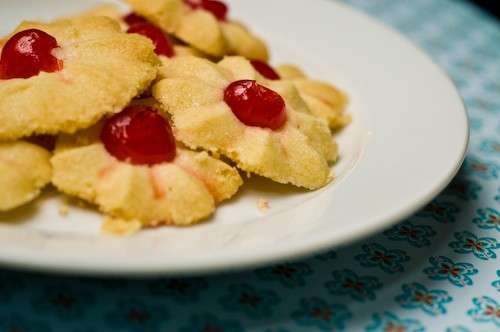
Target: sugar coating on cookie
192	91
182	192
24	171
323	99
201	29
103	70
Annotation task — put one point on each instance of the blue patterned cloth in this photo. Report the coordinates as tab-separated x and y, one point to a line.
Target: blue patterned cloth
437	271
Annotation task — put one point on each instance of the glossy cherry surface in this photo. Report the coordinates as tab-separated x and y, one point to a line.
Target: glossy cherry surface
28	53
139	135
256	105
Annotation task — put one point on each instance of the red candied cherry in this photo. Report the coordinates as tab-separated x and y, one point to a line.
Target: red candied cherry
139	135
133	18
163	44
265	70
27	53
255	105
194	4
218	8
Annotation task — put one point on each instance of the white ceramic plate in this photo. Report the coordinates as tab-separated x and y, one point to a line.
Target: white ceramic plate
407	141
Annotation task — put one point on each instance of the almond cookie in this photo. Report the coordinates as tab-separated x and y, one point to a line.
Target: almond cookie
264	128
24	171
71	75
131	167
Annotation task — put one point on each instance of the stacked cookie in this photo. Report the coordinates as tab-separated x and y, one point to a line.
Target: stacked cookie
153	113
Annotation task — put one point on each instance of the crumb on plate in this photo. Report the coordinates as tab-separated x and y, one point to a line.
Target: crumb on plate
263	204
120	227
63	210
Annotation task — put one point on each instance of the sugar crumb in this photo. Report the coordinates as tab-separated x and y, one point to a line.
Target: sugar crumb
80	203
263	204
120	227
63	210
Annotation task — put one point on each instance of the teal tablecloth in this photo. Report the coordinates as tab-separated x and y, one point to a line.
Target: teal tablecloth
437	271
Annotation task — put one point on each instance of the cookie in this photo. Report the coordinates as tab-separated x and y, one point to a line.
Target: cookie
264	127
128	20
24	171
105	9
323	99
84	82
241	41
203	25
158	183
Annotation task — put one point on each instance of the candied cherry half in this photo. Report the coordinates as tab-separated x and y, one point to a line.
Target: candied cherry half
255	105
139	135
133	18
27	53
218	8
163	44
265	70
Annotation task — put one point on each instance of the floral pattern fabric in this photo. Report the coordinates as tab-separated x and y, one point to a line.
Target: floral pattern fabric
437	271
